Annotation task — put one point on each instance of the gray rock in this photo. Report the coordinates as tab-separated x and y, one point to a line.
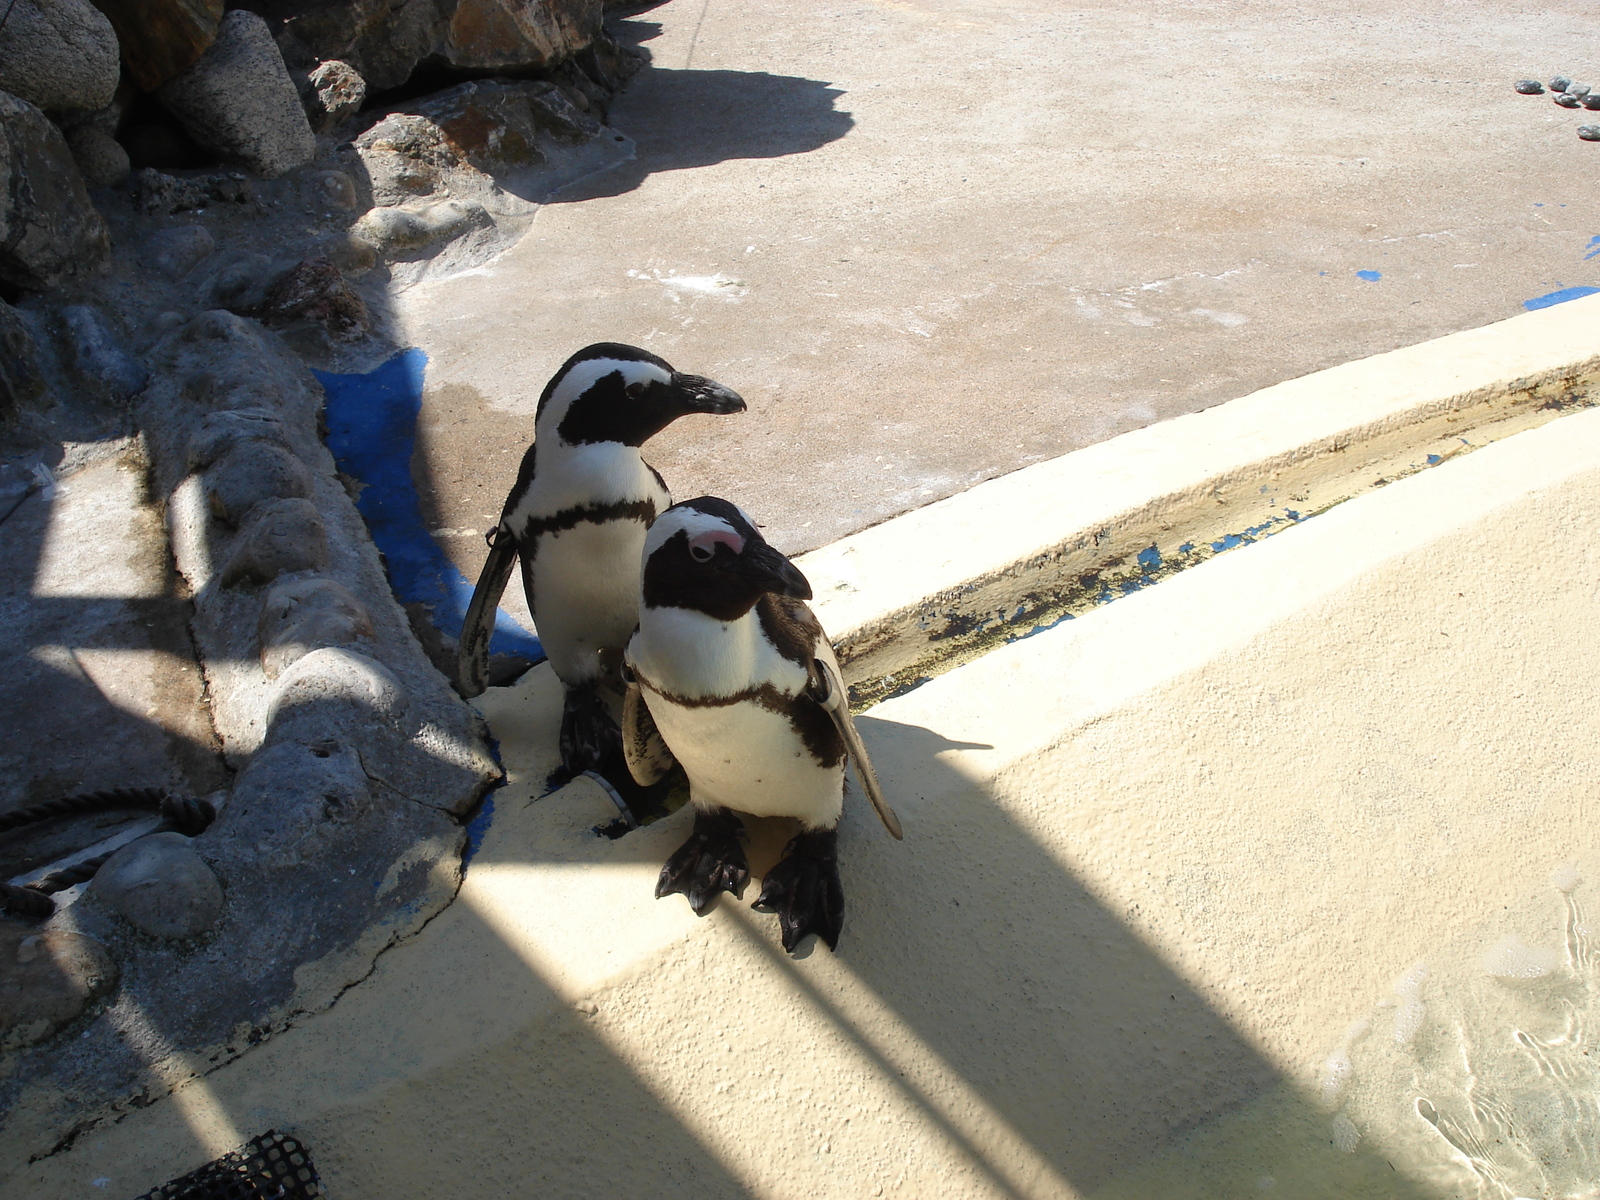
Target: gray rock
280	537
47	977
350	252
394	231
385	40
219	432
22	381
60	55
240	282
334	188
290	794
302	615
158	193
340	678
314	290
175	252
252	473
1589	133
100	157
95	354
238	101
337	92
160	886
48	229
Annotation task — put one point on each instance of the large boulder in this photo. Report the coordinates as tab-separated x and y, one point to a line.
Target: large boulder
60	55
48	229
22	381
238	101
160	38
385	40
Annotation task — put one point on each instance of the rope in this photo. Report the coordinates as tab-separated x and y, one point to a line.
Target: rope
179	814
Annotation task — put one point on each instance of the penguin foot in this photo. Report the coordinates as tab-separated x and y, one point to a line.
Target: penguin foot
591	740
805	891
710	862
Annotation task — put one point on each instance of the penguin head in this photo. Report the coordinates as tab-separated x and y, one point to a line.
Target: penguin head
706	554
609	392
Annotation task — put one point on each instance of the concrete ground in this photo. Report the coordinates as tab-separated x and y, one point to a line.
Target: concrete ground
1271	878
936	240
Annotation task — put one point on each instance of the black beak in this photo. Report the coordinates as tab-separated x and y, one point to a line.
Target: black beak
770	571
702	395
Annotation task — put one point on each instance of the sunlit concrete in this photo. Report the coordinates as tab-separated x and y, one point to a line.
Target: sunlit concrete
934	241
1159	861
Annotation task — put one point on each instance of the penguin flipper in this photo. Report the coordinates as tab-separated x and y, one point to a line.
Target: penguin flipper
472	650
827	689
643	747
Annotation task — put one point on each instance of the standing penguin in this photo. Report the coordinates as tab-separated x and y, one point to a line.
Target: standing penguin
731	675
577	518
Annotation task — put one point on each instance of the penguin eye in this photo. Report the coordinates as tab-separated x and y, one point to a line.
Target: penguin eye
635	389
700	553
704	546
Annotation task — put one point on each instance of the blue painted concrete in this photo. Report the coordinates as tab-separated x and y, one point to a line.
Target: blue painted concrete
372	425
1560	297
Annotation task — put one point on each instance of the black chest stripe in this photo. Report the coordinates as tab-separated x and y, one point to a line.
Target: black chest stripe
810	721
583	514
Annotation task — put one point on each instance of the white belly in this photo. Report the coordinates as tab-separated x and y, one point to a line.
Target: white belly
749	759
584	593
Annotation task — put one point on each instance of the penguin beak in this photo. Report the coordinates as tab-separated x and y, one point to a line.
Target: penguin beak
770	571
702	395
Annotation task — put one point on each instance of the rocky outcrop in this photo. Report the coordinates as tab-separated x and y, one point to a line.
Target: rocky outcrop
385	40
160	38
22	382
238	101
100	157
48	229
60	55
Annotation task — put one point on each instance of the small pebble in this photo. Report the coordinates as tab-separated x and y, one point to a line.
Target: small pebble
1560	83
1529	87
1579	90
1568	101
1592	100
1589	133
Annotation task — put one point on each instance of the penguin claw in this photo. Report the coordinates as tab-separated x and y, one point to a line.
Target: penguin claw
711	862
805	891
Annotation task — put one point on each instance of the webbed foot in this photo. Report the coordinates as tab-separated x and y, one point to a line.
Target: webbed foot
710	862
804	889
591	740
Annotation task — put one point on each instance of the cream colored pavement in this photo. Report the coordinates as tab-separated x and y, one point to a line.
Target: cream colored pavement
1169	872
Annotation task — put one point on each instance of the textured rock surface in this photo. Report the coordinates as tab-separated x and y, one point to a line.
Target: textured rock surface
46	979
174	252
475	129
160	886
156	192
48	229
22	383
250	473
95	355
238	101
302	615
281	537
385	40
160	38
100	157
60	55
336	92
314	290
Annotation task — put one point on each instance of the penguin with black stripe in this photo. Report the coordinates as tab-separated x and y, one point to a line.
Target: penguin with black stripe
731	676
577	519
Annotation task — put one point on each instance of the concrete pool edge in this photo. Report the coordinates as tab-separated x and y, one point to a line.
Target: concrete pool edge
925	591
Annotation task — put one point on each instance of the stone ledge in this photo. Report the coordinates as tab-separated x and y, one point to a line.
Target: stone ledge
923	592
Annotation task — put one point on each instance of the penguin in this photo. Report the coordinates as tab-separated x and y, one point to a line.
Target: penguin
731	677
576	518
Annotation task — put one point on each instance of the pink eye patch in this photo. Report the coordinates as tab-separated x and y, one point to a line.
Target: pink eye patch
704	545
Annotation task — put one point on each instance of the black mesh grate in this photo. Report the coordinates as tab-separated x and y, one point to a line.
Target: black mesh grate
273	1166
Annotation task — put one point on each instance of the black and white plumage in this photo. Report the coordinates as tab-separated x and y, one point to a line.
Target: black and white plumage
577	518
731	675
